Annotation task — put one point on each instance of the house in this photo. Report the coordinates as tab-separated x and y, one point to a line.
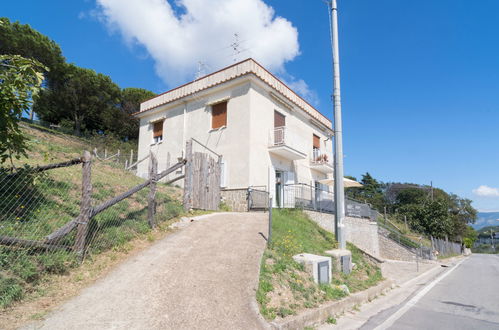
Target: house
269	137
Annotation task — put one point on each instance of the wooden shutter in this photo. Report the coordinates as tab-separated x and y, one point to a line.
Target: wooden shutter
219	115
158	129
317	142
279	119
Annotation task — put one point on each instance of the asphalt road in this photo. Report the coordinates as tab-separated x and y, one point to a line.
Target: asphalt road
466	297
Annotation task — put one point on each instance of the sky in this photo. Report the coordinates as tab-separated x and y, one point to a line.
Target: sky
419	79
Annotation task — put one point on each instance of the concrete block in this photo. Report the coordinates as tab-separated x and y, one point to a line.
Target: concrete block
342	260
316	266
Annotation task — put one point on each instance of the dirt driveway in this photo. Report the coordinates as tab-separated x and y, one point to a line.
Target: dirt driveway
202	277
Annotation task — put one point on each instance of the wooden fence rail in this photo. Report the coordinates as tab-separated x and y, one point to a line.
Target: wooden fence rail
87	212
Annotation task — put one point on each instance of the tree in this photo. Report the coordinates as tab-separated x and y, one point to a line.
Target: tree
431	218
23	40
20	81
130	104
89	99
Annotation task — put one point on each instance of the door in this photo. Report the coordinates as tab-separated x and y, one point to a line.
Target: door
279	128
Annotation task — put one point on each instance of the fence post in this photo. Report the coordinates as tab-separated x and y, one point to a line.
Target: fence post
188	176
131	157
385	214
105	153
269	238
153	172
85	206
405	220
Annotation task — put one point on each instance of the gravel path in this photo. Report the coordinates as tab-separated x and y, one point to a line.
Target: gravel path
202	277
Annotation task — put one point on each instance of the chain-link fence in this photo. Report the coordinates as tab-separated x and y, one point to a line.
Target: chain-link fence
52	216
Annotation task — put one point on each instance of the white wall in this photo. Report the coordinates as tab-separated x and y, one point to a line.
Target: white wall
262	162
231	141
243	143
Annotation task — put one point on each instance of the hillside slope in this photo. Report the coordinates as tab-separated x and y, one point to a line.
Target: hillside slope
33	205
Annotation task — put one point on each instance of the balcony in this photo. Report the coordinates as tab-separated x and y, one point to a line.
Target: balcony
321	161
283	142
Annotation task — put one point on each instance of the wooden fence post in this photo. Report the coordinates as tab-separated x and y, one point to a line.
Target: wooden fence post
153	172
188	176
85	206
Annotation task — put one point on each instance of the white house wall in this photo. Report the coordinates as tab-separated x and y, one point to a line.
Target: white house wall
262	123
232	141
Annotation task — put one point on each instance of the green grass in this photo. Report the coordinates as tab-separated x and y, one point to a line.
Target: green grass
285	288
331	320
34	205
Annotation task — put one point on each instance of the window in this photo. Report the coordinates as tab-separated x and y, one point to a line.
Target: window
316	142
157	129
219	115
279	119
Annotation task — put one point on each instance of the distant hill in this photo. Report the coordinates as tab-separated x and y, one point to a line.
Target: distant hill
485	231
485	219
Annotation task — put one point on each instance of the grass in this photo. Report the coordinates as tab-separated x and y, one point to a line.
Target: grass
285	288
33	206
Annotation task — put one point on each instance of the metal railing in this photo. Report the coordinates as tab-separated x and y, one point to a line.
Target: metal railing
320	157
283	136
308	197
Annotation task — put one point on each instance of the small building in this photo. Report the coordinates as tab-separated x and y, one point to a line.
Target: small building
269	137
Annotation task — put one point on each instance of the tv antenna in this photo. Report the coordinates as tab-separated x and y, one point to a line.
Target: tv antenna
201	69
235	47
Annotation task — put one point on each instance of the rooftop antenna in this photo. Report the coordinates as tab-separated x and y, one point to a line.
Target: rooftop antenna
235	47
201	69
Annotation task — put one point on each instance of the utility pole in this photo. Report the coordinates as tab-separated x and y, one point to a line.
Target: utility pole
339	190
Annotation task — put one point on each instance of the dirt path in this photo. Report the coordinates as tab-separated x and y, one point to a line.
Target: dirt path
202	277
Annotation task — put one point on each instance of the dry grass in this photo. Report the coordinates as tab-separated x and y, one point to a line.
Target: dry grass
121	232
56	289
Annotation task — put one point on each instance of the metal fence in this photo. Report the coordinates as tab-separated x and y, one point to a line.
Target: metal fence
318	199
445	247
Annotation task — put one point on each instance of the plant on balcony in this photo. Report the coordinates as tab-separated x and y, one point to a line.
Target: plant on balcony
322	158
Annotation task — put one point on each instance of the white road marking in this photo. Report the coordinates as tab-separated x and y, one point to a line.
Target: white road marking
398	314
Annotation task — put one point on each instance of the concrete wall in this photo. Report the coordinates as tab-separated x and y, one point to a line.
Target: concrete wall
363	233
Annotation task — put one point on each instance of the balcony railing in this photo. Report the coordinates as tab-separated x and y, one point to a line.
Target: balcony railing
320	157
286	143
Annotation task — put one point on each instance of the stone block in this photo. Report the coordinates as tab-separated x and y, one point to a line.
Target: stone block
317	266
342	260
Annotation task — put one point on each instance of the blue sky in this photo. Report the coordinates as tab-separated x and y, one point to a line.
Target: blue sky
420	79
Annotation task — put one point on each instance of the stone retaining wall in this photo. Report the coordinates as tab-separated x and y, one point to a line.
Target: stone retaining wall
389	249
235	199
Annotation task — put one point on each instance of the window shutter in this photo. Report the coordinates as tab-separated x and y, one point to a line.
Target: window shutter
317	142
158	129
219	115
279	119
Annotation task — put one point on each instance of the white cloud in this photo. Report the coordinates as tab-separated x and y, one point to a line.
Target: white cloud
302	89
486	191
180	33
